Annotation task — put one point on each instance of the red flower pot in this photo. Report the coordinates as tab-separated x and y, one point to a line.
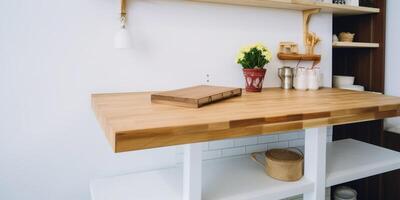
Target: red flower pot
254	79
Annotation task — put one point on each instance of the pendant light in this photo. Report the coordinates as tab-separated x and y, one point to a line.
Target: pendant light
122	39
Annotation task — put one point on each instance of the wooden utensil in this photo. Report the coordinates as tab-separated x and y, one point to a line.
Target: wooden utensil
195	97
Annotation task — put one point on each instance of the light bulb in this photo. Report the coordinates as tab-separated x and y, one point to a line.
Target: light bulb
122	39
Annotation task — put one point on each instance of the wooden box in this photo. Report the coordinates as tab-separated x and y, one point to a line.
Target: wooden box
195	97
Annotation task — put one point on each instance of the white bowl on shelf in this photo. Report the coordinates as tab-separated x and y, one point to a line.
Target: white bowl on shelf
345	193
342	80
353	87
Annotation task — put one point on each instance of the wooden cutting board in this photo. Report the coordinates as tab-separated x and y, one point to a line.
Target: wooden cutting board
195	97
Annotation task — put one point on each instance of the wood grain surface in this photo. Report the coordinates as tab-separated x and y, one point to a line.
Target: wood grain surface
195	97
283	56
355	45
132	122
336	9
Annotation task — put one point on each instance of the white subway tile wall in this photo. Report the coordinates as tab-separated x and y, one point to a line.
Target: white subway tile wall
247	145
220	144
256	148
287	136
233	151
205	146
207	155
278	145
296	143
246	141
267	138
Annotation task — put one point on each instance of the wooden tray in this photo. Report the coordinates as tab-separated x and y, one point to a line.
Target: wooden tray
195	97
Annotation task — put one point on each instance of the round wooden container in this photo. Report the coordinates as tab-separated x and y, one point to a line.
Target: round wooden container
346	37
283	164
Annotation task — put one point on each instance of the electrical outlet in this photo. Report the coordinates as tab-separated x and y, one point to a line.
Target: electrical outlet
208	78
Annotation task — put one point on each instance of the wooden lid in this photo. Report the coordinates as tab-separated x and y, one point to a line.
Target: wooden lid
284	155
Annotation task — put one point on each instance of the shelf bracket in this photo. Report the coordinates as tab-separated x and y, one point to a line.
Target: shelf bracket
310	39
306	21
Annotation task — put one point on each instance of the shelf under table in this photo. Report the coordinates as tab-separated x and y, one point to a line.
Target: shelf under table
239	178
349	160
242	178
163	184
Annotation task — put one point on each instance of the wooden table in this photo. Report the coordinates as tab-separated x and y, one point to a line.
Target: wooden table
131	122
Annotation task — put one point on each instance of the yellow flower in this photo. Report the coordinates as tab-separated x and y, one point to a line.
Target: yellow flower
260	46
245	49
239	56
267	54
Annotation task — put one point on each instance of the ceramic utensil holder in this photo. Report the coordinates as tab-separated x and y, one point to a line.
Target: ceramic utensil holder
300	79
307	79
313	79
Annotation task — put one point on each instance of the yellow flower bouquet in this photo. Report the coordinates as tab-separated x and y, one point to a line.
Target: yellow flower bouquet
254	56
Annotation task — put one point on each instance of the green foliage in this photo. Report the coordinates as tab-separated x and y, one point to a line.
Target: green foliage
253	59
254	56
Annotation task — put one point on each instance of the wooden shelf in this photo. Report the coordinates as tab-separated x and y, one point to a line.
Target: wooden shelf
349	160
222	179
152	185
355	45
304	57
132	122
336	9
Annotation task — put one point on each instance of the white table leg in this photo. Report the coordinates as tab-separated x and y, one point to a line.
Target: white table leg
315	161
192	168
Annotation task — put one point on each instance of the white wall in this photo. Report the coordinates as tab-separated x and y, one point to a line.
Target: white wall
392	81
55	53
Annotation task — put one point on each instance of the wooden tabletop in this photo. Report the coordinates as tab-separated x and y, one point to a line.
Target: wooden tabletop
132	122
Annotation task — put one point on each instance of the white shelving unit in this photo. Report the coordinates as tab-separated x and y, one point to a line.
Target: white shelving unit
230	178
349	160
355	45
241	179
153	185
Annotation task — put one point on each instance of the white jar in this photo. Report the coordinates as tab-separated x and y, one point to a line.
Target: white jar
300	79
345	193
313	79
